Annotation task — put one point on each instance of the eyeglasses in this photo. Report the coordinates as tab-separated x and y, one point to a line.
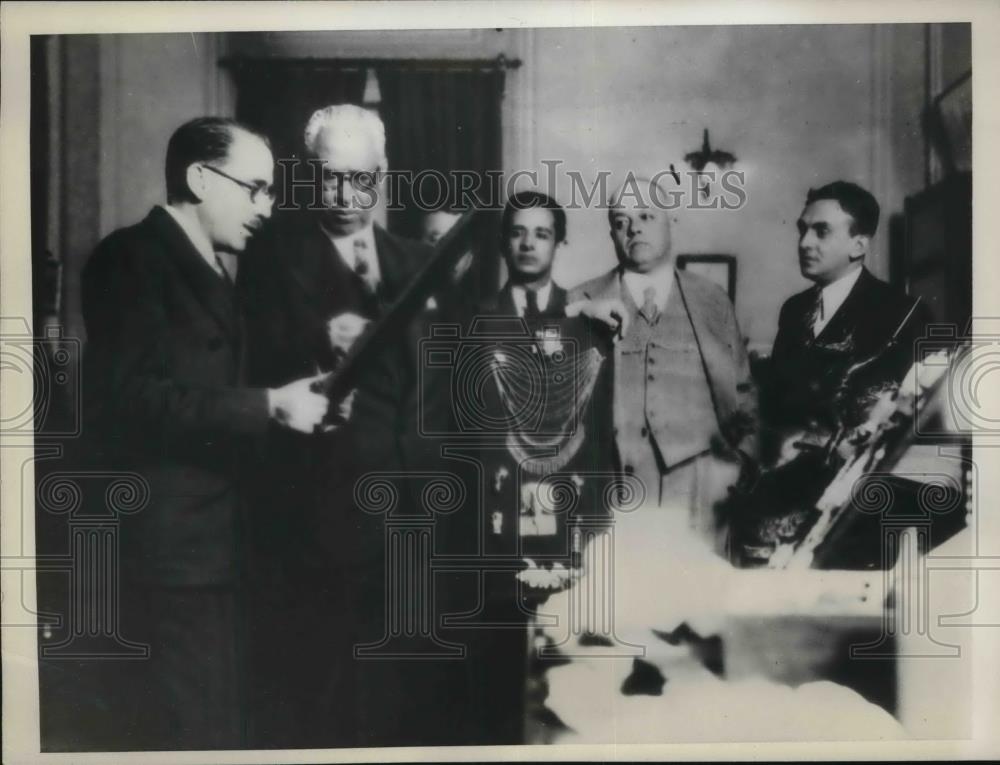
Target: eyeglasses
256	190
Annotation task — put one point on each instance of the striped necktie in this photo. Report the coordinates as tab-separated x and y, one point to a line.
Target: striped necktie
815	314
362	267
531	305
649	307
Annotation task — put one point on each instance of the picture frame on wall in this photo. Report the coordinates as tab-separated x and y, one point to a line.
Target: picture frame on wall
717	268
952	110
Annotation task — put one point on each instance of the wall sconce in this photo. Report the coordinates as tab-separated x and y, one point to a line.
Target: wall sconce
706	161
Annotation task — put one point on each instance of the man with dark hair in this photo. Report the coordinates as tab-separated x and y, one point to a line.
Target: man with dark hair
533	226
848	316
166	397
527	200
840	345
203	139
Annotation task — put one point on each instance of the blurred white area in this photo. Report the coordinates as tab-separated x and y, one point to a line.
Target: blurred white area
657	573
777	628
936	698
702	707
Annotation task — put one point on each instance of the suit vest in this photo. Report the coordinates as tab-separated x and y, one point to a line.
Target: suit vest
663	399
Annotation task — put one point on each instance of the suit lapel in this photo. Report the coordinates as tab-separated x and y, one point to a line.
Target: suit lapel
212	291
505	301
314	265
843	322
557	302
676	306
392	265
714	355
609	286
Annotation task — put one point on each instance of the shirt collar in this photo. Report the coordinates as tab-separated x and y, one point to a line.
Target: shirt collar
196	236
660	279
345	244
521	302
835	293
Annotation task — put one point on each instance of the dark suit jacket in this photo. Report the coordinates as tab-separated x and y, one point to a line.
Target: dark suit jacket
503	303
314	510
802	392
294	282
166	396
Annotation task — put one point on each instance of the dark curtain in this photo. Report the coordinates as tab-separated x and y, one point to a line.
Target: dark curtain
442	117
278	97
445	119
44	267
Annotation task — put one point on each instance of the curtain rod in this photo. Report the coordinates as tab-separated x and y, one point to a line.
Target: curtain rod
501	62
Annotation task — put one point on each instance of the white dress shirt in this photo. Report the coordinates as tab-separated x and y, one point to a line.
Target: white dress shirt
521	302
200	242
660	279
349	253
832	296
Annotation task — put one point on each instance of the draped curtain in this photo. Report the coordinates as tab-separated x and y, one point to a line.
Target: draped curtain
439	116
445	119
278	98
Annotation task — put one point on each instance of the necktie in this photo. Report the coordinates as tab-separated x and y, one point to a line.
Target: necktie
531	305
815	315
362	267
227	277
649	308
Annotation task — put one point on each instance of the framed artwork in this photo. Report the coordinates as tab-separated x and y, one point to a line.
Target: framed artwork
720	269
953	111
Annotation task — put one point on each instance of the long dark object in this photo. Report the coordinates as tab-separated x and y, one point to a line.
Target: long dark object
428	280
853	370
896	444
888	346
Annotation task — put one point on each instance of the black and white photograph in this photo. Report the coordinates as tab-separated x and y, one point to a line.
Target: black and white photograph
445	380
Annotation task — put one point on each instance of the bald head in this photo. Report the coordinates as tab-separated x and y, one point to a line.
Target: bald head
640	224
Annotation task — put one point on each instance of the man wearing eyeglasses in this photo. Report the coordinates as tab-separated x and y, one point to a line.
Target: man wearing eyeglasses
317	276
167	398
324	269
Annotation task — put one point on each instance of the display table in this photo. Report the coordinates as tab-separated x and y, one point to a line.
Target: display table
660	641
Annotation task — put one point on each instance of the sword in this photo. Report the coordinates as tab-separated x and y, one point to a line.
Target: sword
447	252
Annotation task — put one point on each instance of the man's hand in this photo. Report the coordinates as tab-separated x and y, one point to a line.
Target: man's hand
344	329
610	311
344	409
461	268
297	405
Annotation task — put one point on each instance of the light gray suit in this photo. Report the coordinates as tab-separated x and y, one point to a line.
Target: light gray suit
684	401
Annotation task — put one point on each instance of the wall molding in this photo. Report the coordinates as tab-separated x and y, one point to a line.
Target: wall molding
882	178
934	86
220	95
518	107
54	235
109	109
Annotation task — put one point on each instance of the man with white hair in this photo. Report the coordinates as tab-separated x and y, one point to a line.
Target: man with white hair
336	268
322	272
685	407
